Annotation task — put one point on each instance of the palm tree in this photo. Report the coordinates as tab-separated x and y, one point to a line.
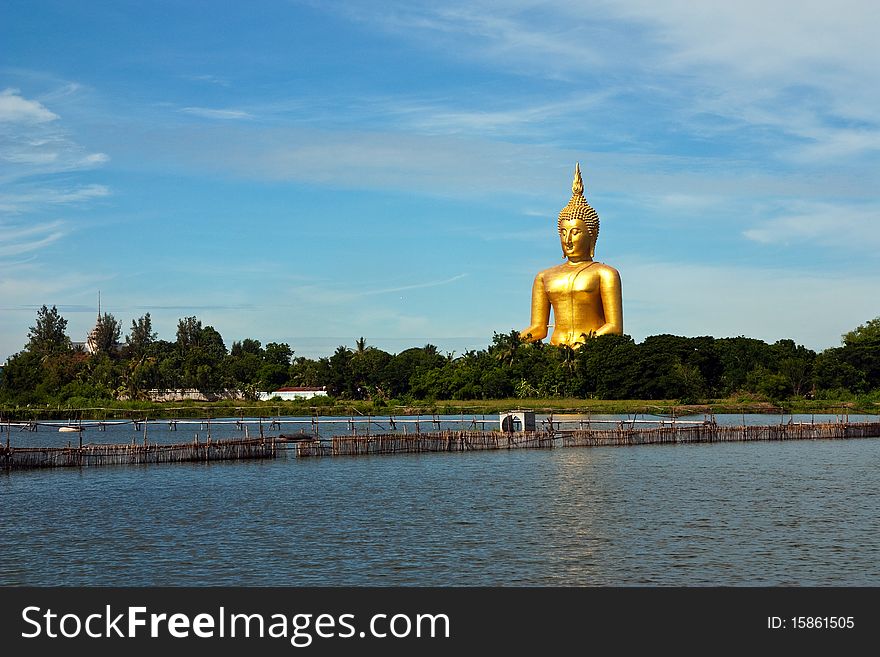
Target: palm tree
569	357
507	347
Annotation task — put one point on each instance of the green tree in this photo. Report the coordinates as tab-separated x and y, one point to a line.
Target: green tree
656	358
339	379
189	333
102	375
307	372
22	374
49	334
569	358
141	336
497	384
247	346
275	367
609	368
686	383
211	343
505	347
140	375
773	385
402	367
242	366
739	358
798	372
278	353
523	389
368	371
833	375
867	333
203	355
59	370
106	334
861	349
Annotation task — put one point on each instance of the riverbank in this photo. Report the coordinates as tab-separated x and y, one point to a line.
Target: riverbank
336	407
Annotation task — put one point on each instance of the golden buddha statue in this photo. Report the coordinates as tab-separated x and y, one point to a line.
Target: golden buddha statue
585	295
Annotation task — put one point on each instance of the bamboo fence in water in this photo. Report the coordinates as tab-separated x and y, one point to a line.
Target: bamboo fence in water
434	441
713	433
12	458
462	441
15	458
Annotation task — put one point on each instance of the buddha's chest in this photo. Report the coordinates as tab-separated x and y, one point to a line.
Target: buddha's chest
578	282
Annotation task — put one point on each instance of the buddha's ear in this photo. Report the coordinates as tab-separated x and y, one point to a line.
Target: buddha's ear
592	246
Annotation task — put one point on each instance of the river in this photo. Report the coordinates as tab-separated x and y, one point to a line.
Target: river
733	514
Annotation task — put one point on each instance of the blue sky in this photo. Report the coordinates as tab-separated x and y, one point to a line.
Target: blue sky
314	172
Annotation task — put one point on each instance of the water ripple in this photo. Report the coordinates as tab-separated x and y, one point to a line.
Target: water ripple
761	514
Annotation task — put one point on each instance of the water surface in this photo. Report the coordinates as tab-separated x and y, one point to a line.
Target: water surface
768	513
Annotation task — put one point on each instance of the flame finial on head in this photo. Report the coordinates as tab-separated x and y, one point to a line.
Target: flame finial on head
578	208
577	185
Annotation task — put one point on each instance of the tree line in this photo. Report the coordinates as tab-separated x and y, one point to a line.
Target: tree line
53	370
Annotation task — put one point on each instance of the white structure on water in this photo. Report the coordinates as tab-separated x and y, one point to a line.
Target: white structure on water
517	421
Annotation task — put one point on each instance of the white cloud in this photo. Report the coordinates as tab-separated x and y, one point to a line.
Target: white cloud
788	69
38	150
499	117
16	240
728	192
837	144
222	114
412	286
93	159
804	42
18	248
438	165
16	109
313	294
846	226
27	198
14	232
800	69
211	79
505	35
35	143
33	157
82	193
35	147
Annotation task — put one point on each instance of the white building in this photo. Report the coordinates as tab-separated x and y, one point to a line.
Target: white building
300	392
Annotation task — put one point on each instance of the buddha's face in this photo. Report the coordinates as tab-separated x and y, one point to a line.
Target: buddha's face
576	239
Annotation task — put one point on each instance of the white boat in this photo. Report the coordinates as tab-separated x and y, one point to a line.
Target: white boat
70	429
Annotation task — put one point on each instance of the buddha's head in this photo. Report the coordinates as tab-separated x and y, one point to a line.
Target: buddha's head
578	223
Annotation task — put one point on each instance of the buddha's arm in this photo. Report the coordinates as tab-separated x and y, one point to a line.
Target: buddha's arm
612	302
540	312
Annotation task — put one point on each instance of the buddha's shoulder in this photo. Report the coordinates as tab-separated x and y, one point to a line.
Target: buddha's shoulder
554	271
606	270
